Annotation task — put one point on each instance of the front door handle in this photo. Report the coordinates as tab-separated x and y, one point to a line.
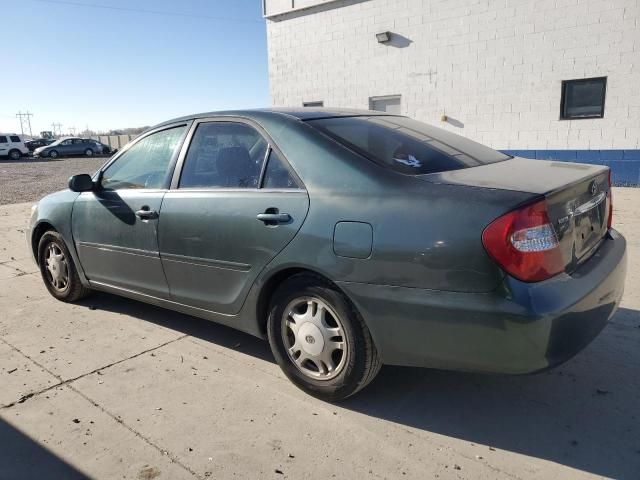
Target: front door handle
274	218
145	213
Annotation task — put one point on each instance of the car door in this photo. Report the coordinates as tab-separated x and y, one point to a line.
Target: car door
4	145
223	219
78	147
115	227
65	147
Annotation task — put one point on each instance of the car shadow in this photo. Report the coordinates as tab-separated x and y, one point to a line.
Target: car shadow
24	458
583	414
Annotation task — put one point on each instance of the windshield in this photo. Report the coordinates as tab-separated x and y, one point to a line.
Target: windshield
406	145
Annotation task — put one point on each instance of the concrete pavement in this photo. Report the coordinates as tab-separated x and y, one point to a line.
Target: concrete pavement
112	388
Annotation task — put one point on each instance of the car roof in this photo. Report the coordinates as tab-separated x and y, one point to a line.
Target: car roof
301	113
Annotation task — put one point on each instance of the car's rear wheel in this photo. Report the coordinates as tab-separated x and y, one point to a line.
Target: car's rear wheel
53	154
58	270
88	152
15	154
319	339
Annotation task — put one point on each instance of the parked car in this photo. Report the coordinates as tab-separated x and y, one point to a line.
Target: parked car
69	146
105	149
40	142
349	239
12	146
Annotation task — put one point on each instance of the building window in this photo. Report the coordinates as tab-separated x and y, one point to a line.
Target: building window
388	104
313	104
583	98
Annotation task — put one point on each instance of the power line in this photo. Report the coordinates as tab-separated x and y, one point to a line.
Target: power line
57	128
25	121
153	12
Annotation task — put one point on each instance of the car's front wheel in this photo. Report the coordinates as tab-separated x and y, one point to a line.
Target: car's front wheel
58	270
53	154
15	154
320	340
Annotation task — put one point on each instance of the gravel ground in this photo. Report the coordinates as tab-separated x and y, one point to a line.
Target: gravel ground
30	179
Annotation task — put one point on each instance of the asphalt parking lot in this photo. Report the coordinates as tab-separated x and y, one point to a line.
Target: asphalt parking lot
112	388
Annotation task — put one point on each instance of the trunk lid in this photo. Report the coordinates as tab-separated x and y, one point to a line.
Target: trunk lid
576	196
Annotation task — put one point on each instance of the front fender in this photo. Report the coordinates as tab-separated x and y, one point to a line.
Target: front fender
54	211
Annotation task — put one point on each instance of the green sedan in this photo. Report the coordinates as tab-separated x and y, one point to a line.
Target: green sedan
348	239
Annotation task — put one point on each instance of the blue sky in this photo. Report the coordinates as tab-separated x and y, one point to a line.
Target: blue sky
114	68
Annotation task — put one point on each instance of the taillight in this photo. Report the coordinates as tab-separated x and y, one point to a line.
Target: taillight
610	202
524	243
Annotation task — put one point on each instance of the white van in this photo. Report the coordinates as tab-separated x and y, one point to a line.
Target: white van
12	146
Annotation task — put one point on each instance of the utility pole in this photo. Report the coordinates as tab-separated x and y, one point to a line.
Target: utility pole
57	128
72	131
25	121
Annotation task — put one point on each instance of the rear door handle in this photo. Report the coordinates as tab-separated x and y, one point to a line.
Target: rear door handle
145	213
274	218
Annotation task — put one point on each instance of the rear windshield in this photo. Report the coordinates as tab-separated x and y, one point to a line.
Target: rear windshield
405	145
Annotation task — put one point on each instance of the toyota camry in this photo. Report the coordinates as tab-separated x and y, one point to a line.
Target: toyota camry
348	239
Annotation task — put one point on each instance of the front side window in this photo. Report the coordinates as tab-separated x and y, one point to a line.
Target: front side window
15	139
224	155
405	145
146	163
583	98
67	142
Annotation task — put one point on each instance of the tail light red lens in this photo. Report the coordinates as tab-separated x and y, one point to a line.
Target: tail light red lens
524	243
610	202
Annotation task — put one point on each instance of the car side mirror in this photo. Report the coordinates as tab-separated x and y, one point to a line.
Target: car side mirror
81	183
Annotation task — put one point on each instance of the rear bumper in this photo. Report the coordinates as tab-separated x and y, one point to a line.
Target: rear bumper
521	328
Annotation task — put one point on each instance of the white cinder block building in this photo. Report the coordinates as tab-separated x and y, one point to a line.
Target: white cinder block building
546	78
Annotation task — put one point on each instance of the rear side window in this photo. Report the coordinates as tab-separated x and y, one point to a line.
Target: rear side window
15	139
3	139
277	174
405	145
224	155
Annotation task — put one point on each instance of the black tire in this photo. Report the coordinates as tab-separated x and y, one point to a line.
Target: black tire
74	289
15	154
362	361
88	152
53	154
